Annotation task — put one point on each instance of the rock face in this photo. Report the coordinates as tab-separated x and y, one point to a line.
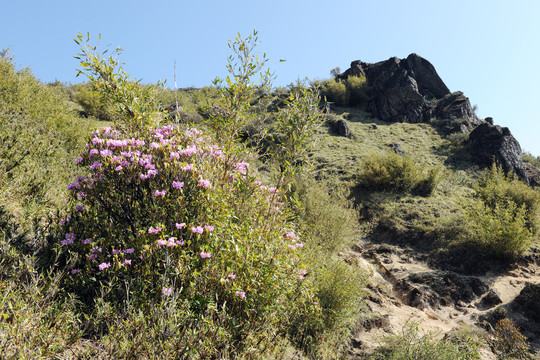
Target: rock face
492	142
455	113
528	301
337	125
399	87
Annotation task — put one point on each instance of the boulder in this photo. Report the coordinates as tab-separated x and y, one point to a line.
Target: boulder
454	113
492	142
492	298
398	87
337	125
528	301
397	149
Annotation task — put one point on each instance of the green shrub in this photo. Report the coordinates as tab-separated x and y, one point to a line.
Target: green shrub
167	215
412	344
505	219
394	173
38	133
508	342
357	90
93	102
335	92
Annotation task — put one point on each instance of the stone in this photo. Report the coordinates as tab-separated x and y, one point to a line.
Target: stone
492	142
398	87
492	298
528	301
397	149
337	125
454	113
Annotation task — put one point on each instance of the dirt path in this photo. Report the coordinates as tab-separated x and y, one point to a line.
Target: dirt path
404	288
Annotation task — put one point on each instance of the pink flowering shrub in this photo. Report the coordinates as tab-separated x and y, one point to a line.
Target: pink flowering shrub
169	215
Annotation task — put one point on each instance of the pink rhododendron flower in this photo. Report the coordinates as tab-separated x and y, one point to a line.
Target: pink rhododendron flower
153	230
160	193
205	255
181	225
104	266
241	294
95	165
129	251
118	168
78	160
232	276
93	152
198	229
178	184
75	271
126	262
167	291
204	183
188	167
210	228
86	241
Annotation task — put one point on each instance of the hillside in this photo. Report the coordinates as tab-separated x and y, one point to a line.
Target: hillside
383	220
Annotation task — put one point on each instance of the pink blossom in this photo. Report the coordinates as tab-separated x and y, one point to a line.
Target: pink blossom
105	152
204	183
118	168
198	229
241	294
154	145
232	276
126	262
210	228
78	160
79	208
299	245
188	167
104	266
86	241
178	184
93	152
181	225
180	242
81	195
65	221
160	193
167	291
129	251
175	155
95	165
74	271
205	255
154	230
97	140
91	256
152	172
241	166
114	251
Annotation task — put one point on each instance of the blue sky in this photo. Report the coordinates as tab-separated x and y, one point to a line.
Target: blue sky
490	50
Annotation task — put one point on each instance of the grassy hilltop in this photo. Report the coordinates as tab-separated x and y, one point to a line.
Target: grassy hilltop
234	221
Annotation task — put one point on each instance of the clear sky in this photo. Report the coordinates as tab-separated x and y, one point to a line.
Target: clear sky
489	49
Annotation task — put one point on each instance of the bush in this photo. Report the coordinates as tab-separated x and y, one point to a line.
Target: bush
508	342
411	344
168	216
37	134
357	90
350	92
335	92
93	102
394	173
505	218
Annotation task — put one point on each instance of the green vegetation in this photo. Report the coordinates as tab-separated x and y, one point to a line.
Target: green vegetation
412	344
350	92
226	240
396	173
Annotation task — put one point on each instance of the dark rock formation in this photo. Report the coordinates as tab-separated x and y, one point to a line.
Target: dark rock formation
528	301
492	142
397	149
454	113
398	87
492	298
337	125
533	174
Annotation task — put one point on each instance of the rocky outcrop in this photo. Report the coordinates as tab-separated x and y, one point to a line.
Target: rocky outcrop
490	143
528	301
337	125
454	113
399	87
